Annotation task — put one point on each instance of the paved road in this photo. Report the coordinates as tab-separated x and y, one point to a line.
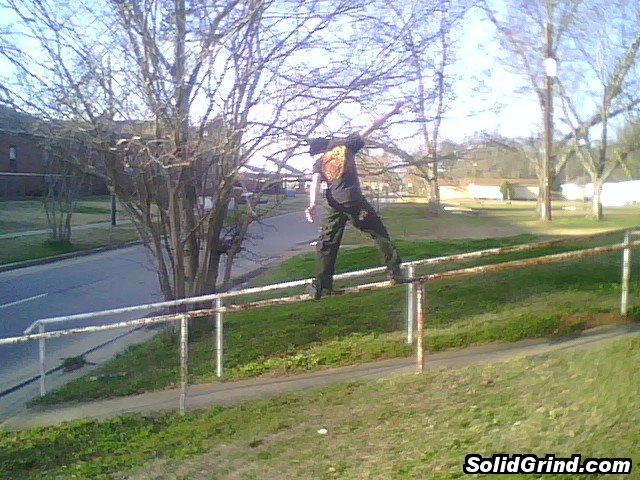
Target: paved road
106	280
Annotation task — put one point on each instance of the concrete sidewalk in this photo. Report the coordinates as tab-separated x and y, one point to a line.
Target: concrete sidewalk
226	393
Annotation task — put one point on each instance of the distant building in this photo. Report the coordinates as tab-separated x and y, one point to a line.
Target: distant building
614	194
21	156
26	157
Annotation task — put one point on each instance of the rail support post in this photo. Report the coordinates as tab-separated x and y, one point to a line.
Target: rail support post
411	304
219	338
626	274
420	327
41	356
184	360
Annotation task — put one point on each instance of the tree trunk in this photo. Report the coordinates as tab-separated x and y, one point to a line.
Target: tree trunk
596	205
433	195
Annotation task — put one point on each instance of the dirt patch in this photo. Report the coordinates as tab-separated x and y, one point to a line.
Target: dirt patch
578	321
460	231
574	231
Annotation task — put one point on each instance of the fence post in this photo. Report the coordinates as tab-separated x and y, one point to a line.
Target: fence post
184	358
219	337
626	273
420	330
41	355
411	303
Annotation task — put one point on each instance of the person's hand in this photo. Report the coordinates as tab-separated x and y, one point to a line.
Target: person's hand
310	212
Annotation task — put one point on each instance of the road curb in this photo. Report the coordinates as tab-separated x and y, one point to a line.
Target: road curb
65	256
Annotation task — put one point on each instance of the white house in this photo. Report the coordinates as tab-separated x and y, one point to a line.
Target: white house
614	194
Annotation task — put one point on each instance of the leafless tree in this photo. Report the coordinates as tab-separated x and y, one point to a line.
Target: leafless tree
419	35
531	32
596	44
64	180
627	148
608	49
178	96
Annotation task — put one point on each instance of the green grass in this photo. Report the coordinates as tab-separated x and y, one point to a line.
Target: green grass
406	427
497	219
28	215
25	215
41	246
550	300
95	212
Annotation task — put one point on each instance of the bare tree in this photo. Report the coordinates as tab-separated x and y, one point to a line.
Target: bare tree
419	34
64	179
609	52
627	149
591	52
532	32
179	96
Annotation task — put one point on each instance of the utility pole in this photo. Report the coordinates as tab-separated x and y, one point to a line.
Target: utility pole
547	169
112	191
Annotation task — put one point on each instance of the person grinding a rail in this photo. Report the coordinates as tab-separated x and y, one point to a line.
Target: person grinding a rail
335	164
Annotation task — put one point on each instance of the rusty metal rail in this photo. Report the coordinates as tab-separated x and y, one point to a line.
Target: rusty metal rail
415	290
301	283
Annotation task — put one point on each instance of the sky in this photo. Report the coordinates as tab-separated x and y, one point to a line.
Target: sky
483	100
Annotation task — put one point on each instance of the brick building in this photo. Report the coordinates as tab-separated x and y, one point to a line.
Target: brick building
25	158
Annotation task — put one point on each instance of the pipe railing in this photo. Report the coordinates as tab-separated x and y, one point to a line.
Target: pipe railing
301	283
415	301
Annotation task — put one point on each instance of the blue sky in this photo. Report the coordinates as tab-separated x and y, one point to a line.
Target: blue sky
483	91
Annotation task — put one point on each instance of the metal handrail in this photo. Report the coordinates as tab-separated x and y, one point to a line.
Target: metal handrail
349	290
301	283
415	294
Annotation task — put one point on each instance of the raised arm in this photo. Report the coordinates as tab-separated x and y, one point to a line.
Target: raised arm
381	119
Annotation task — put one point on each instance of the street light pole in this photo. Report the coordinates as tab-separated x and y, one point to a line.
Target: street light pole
550	72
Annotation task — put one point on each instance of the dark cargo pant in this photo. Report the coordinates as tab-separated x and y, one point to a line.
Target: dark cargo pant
362	216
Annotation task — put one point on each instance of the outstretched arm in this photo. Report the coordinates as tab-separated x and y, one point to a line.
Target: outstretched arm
381	119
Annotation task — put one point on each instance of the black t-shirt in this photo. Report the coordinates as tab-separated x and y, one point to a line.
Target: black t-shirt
337	167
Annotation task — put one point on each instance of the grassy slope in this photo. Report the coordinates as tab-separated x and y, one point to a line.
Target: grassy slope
404	427
24	215
546	300
541	301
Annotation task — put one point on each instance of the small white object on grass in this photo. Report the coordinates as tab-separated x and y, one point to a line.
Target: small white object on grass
323	431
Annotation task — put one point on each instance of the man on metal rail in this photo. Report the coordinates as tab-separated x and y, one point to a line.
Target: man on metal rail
335	164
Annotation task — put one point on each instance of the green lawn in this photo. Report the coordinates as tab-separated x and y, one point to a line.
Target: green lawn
406	427
496	219
41	246
548	300
93	212
25	215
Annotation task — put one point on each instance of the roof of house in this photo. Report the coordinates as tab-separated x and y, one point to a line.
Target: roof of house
16	122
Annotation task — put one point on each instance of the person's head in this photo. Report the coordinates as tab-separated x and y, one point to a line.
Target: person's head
317	145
